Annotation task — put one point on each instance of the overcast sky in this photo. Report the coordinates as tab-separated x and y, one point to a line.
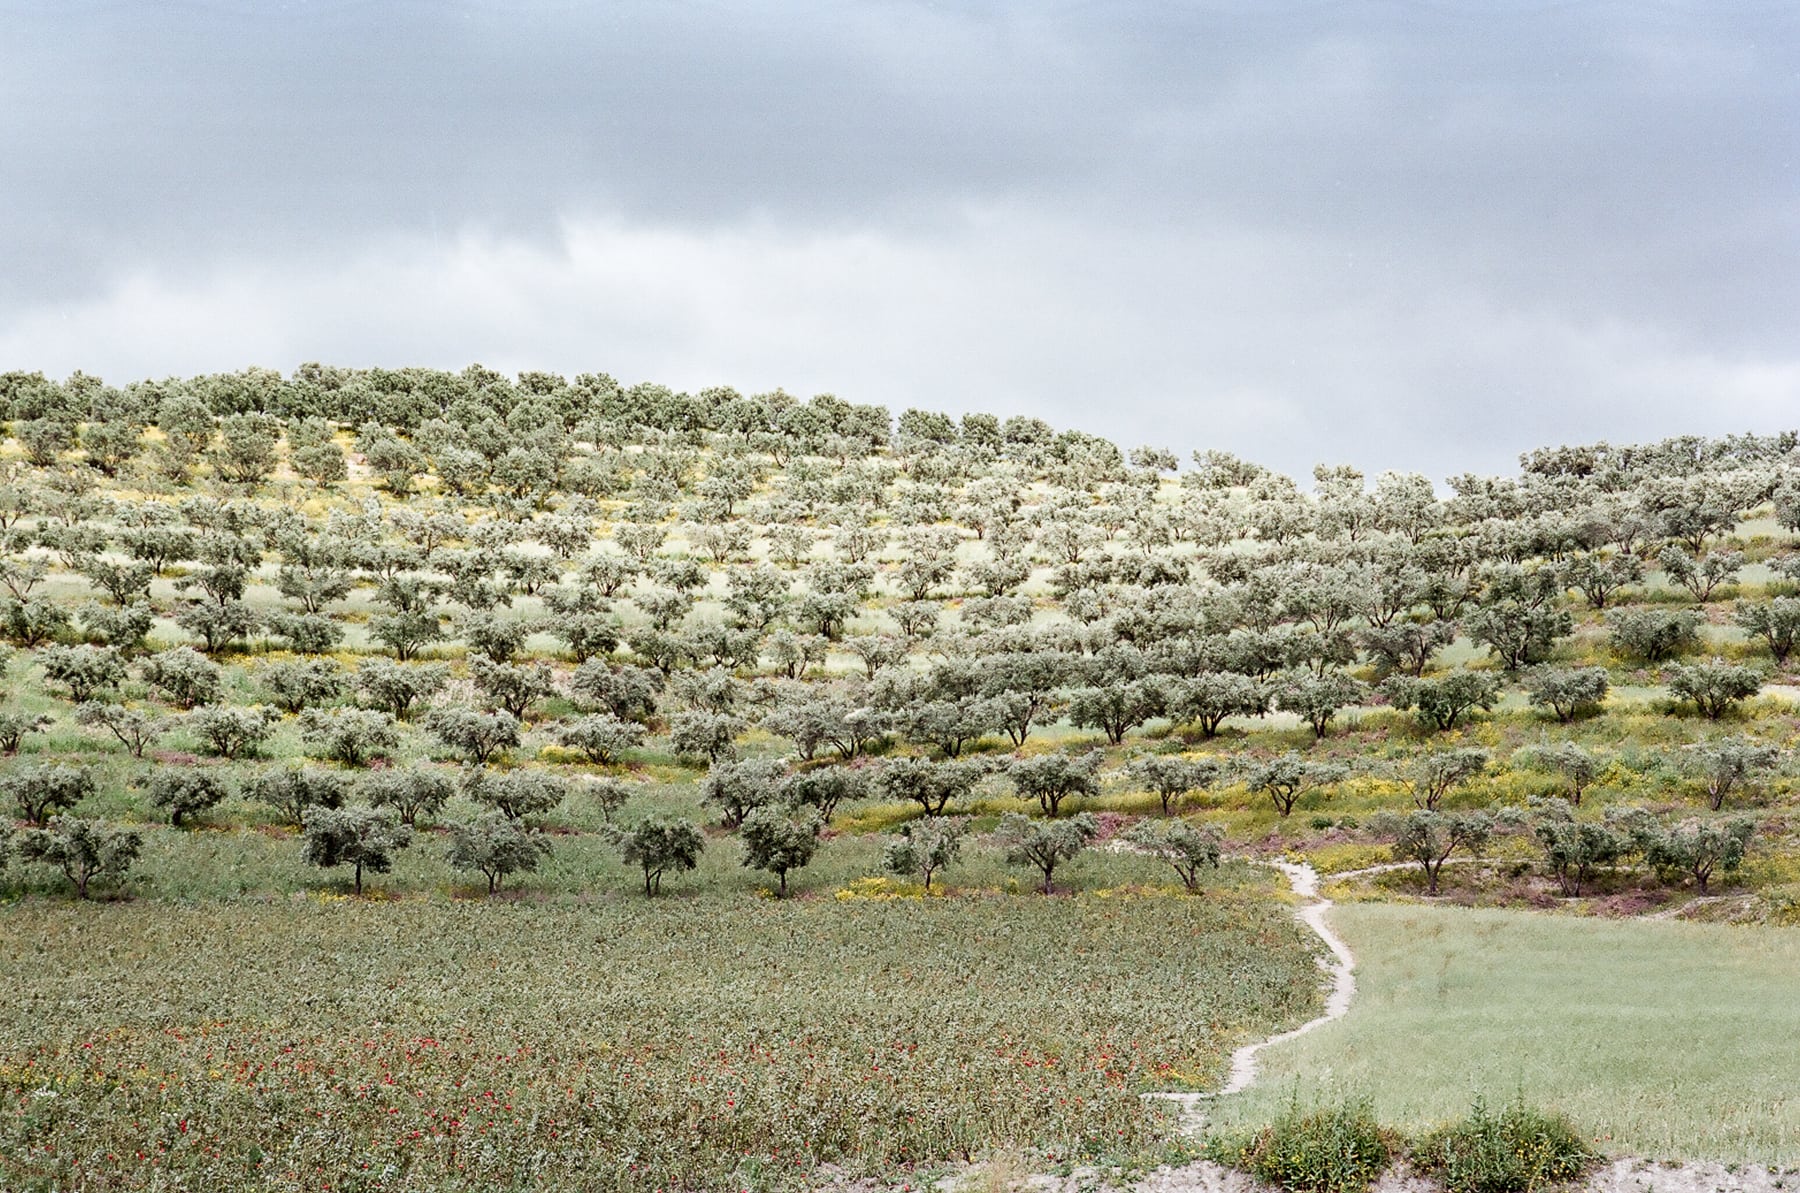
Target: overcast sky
1420	235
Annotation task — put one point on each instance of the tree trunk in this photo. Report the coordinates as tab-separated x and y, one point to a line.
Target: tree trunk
359	878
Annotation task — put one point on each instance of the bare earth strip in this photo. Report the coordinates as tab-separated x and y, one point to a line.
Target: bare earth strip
1304	881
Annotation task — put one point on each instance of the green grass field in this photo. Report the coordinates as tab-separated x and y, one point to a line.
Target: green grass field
1666	1040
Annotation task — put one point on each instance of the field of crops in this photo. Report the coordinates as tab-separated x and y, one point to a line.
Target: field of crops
321	1043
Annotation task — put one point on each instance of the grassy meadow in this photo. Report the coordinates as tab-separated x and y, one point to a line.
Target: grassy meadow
1663	1039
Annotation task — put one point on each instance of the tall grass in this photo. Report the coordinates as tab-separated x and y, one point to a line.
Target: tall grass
1667	1040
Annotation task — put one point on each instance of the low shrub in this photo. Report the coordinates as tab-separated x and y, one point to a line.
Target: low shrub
1324	1149
1518	1149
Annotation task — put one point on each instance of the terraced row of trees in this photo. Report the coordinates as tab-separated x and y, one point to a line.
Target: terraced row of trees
490	592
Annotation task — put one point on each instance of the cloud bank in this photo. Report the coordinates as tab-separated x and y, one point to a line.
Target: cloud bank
1421	236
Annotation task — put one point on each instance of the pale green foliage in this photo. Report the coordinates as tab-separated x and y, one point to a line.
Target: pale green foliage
84	671
478	738
517	793
924	848
351	736
1776	622
398	688
495	845
931	785
1045	845
301	683
1288	777
358	837
779	838
1442	701
1654	635
1172	777
84	850
601	737
658	844
230	731
739	788
1700	848
1729	765
1581	767
1713	688
185	791
42	789
1429	838
1567	691
186	676
1052	778
1188	850
1434	774
411	791
291	791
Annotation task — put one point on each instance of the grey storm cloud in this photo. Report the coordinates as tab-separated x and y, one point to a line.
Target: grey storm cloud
1409	235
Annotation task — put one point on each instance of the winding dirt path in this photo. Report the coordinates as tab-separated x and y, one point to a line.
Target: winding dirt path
1304	881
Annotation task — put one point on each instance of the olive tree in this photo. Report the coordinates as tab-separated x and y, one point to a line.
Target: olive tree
230	731
925	847
1729	765
1440	702
516	793
84	850
1698	848
823	788
514	687
495	845
42	789
1776	622
1713	688
1317	699
708	736
291	792
1205	700
601	737
1173	777
1189	851
1574	849
187	677
185	791
1578	767
301	683
399	688
1568	692
658	844
358	837
739	788
477	738
1434	774
351	736
1052	778
1653	635
411	792
83	671
1044	844
931	785
1288	777
1428	838
780	837
15	725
